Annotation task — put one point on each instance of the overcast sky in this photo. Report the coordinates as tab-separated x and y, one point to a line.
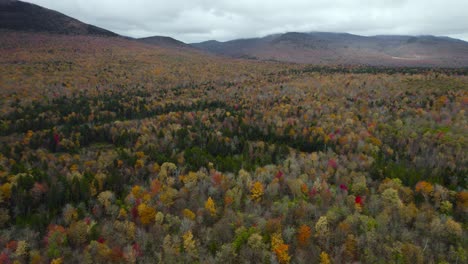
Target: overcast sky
200	20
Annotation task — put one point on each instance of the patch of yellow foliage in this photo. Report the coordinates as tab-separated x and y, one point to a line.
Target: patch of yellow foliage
146	213
257	191
210	206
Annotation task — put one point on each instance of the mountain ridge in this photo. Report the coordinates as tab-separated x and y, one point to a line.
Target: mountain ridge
344	48
319	48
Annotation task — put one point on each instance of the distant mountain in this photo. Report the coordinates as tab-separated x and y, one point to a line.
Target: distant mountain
165	42
22	16
342	48
318	48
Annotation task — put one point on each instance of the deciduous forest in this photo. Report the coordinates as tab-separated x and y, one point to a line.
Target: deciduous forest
114	151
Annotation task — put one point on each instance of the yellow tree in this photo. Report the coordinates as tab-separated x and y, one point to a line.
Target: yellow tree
324	258
210	206
146	213
257	191
189	243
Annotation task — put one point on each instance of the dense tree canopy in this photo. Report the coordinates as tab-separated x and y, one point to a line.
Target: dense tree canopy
120	152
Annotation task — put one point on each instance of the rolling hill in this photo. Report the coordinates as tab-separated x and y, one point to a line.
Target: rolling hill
342	48
166	42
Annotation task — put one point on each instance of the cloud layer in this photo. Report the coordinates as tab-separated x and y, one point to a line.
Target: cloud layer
200	20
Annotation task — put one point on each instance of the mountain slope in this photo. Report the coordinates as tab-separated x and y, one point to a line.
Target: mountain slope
165	42
342	48
21	16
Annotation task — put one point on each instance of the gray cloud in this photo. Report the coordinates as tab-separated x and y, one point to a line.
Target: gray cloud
199	20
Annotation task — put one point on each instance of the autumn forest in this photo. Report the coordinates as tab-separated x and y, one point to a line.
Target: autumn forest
116	151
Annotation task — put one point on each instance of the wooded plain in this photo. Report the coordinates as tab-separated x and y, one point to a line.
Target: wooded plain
117	151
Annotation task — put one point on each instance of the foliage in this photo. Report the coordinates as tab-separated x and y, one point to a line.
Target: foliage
303	235
116	152
210	206
256	191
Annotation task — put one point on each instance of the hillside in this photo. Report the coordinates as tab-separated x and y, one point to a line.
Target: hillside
166	42
22	16
341	48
